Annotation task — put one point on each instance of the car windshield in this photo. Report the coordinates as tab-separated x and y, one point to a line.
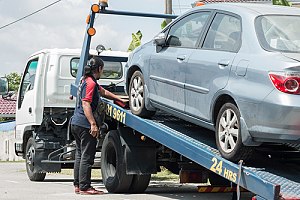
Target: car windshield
279	33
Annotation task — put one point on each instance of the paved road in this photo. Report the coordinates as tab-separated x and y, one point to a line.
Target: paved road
15	185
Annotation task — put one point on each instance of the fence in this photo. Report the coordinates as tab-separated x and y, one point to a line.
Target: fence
7	142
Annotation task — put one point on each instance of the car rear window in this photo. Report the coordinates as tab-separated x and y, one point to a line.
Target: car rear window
278	32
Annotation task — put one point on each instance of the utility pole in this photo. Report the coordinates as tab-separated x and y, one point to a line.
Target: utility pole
168	9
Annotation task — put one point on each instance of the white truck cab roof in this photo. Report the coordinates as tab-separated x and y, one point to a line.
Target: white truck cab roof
67	51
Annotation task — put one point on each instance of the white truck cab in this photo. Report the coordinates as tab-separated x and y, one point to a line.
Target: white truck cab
44	104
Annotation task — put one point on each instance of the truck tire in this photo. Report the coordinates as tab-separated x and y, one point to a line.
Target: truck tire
172	167
30	162
217	180
137	96
113	166
139	183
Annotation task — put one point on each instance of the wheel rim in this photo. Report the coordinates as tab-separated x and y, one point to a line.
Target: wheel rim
137	93
30	158
111	157
228	130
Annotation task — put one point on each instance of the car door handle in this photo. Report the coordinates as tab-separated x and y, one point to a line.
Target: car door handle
223	63
30	110
181	57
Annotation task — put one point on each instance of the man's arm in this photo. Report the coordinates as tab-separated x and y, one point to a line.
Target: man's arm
107	94
87	109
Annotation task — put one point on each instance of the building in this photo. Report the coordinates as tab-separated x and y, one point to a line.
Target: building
295	3
8	107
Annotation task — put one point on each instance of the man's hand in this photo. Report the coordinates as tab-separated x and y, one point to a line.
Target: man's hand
94	130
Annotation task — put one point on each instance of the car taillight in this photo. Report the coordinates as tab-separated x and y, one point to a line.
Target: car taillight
287	82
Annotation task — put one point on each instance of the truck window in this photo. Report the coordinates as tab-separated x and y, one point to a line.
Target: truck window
112	70
28	79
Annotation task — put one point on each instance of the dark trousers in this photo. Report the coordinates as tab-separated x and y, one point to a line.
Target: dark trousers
84	157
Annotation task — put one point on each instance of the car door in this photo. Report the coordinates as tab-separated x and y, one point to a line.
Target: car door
209	66
27	96
168	66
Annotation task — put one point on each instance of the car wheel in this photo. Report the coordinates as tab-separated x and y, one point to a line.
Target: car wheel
137	96
228	134
31	161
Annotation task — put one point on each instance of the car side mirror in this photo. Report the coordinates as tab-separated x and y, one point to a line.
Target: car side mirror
3	85
160	39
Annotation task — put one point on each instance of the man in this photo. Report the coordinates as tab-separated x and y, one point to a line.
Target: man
84	127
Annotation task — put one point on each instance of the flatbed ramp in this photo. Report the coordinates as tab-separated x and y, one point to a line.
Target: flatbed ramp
267	178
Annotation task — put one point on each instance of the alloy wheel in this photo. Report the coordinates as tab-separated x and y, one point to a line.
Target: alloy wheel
137	93
228	130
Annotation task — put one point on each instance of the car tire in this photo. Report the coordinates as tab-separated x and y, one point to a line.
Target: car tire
30	159
228	134
137	96
113	165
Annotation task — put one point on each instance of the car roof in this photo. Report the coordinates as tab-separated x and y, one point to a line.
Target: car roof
252	8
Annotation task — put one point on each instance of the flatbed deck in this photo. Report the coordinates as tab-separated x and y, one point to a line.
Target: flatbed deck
265	176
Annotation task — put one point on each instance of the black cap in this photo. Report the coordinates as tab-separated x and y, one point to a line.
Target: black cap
95	62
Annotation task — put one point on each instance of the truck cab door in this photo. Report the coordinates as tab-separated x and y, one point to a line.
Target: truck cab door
27	94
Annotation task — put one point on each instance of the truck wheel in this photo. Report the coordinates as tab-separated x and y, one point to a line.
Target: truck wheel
139	183
172	167
228	134
113	166
217	180
30	162
137	96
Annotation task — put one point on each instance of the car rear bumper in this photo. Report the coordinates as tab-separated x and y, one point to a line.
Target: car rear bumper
277	119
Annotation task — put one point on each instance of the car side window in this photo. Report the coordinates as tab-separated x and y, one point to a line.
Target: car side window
186	32
224	34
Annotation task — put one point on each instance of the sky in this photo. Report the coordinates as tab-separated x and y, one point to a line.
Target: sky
63	26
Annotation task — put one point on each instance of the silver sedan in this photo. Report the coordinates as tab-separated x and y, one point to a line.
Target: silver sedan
232	68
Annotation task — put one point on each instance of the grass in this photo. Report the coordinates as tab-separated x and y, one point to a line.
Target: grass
96	173
164	175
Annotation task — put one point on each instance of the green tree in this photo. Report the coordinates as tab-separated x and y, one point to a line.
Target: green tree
14	80
281	2
163	24
136	40
5	119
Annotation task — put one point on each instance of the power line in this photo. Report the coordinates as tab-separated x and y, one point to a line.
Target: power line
30	14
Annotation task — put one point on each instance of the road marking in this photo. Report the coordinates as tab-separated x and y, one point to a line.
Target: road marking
11	181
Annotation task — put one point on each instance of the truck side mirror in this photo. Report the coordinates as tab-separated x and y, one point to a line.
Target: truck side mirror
3	86
160	40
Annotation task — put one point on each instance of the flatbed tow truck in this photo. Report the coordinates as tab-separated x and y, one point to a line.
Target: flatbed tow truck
129	149
267	178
